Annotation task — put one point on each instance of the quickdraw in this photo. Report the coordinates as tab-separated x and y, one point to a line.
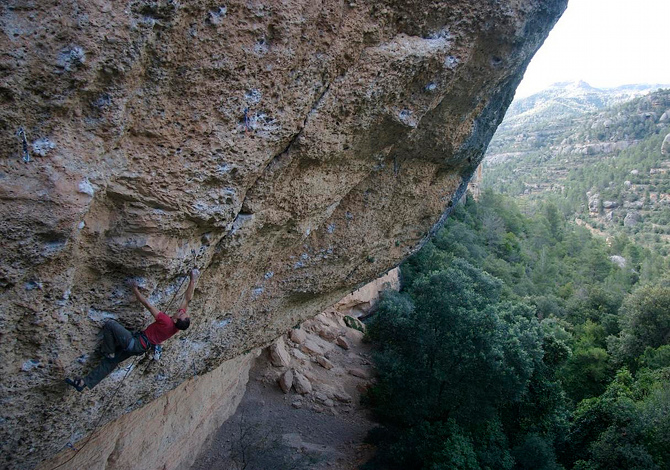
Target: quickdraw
156	357
24	143
247	121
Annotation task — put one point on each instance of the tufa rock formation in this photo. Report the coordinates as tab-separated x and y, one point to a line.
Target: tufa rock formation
291	150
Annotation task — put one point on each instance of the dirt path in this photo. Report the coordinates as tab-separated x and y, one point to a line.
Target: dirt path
320	429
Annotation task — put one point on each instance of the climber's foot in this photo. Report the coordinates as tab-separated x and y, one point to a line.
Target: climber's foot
78	384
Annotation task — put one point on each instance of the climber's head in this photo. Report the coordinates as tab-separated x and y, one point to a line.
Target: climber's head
181	319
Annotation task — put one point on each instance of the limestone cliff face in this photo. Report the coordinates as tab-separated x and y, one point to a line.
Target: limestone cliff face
290	149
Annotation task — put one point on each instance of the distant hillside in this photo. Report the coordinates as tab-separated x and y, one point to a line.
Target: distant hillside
597	153
571	99
552	111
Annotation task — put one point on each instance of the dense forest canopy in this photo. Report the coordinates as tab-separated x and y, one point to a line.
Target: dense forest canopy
522	342
533	332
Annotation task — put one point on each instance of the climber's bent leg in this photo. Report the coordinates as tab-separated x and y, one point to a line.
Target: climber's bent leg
115	337
105	368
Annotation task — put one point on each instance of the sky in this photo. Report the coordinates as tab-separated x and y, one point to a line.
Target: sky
605	43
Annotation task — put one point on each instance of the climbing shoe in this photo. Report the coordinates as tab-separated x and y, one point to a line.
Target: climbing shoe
78	384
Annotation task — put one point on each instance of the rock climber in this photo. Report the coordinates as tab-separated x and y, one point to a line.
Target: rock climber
118	344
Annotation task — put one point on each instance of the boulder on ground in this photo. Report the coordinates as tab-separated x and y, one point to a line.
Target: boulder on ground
363	387
342	396
326	320
341	342
298	354
328	334
310	347
301	384
279	357
360	373
354	335
298	335
320	397
325	363
286	381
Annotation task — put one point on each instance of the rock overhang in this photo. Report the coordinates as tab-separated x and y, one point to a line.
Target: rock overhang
290	150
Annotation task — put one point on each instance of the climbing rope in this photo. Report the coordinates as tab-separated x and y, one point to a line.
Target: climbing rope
167	308
128	371
193	263
102	415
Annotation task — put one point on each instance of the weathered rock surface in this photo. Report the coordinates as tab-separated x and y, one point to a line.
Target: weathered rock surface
354	335
360	373
323	381
311	346
286	381
297	335
342	342
632	218
325	363
191	412
620	261
302	384
363	299
290	150
279	357
594	202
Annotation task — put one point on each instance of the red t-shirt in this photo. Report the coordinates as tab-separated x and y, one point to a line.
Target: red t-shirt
160	330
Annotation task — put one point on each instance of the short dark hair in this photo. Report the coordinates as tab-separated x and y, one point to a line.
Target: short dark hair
182	323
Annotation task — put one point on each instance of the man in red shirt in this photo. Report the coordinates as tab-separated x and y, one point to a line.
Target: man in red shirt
118	344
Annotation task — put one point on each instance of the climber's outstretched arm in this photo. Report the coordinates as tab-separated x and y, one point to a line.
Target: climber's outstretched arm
195	273
154	311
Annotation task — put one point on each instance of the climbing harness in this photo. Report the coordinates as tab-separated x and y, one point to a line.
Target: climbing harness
157	350
24	144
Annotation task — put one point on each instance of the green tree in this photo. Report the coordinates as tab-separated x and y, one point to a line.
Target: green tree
469	379
587	373
615	431
448	349
645	322
655	420
452	349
